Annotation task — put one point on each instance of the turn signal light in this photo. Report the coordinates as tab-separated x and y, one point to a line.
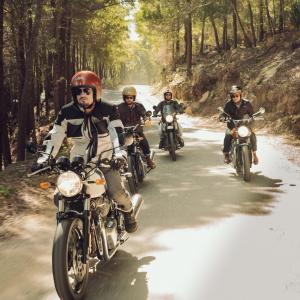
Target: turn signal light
100	181
44	185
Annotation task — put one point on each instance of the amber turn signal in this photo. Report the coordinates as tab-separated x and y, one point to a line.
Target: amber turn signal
100	181
44	185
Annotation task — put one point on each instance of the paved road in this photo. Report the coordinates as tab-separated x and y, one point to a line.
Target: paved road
203	232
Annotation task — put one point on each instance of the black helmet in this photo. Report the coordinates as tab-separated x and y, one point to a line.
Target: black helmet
235	89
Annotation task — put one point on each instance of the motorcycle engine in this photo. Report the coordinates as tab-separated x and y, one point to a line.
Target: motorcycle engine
101	206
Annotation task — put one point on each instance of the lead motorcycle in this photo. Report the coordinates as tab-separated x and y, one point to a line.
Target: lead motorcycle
172	140
90	224
241	148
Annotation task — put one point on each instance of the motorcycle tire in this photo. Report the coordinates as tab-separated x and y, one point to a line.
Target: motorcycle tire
132	181
68	237
140	169
246	163
172	147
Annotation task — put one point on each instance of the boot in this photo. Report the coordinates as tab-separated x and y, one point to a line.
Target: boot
227	159
130	222
181	142
161	144
150	162
255	158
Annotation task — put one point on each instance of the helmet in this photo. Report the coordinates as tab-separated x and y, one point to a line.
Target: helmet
168	92
129	91
86	79
235	89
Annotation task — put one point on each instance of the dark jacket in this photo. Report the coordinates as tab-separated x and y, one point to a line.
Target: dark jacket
132	116
238	113
161	105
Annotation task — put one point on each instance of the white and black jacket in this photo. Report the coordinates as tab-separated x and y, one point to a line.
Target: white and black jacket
90	133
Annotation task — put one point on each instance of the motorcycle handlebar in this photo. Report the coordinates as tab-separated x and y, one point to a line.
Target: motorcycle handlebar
39	171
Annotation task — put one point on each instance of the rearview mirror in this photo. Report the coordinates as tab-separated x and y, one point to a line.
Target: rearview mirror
220	109
148	113
31	147
154	107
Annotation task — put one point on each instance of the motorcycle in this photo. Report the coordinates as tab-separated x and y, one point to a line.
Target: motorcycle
170	129
136	168
90	224
240	153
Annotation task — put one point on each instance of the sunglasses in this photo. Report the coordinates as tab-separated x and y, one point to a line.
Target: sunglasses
168	94
129	97
235	96
79	91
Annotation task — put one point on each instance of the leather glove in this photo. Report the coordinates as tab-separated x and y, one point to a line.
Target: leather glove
117	163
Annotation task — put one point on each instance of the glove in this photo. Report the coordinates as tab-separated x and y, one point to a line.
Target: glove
222	118
148	123
117	163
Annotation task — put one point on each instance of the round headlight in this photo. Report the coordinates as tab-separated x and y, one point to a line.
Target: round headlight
169	118
243	131
69	184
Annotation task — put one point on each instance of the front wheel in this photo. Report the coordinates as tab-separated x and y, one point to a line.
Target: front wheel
246	163
132	181
172	146
70	274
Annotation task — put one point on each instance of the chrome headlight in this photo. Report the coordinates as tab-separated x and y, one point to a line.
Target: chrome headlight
169	118
243	131
69	184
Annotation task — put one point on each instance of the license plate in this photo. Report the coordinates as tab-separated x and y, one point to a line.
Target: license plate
170	127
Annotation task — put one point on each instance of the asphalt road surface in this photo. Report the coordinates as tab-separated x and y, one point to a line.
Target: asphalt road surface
203	232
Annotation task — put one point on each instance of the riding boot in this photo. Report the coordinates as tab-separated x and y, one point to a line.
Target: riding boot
227	159
161	144
130	222
255	158
181	141
150	162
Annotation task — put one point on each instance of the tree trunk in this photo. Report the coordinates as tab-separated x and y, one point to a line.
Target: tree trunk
26	92
281	15
188	37
2	118
202	35
261	30
212	20
270	21
248	42
234	26
225	35
252	24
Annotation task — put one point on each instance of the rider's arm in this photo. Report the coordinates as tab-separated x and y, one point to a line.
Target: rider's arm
142	111
158	109
227	112
55	137
178	107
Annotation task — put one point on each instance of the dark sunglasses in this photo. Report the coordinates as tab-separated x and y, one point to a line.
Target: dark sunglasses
168	94
235	96
129	97
79	91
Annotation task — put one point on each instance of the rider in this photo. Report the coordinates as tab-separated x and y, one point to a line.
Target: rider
94	127
168	100
131	114
237	108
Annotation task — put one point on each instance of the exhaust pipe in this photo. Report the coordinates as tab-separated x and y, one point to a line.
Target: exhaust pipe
152	154
137	202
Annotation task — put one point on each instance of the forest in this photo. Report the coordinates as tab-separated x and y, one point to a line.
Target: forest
44	42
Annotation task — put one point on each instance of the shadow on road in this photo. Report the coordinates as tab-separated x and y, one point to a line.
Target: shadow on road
119	278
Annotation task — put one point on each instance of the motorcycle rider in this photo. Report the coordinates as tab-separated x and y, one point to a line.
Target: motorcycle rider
94	127
131	114
237	107
168	100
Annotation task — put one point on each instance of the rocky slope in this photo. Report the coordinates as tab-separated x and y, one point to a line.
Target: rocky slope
269	75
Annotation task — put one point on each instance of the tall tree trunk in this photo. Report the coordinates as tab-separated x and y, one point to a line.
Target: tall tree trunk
248	42
225	35
212	20
270	21
281	15
2	108
234	26
202	35
26	92
188	38
261	30
252	23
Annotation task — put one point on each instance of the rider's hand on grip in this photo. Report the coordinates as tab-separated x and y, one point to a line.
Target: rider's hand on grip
222	118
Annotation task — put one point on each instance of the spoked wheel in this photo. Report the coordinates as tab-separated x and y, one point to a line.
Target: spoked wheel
132	181
172	147
246	163
69	272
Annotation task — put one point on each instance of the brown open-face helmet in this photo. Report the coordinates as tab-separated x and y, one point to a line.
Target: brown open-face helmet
88	79
129	91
